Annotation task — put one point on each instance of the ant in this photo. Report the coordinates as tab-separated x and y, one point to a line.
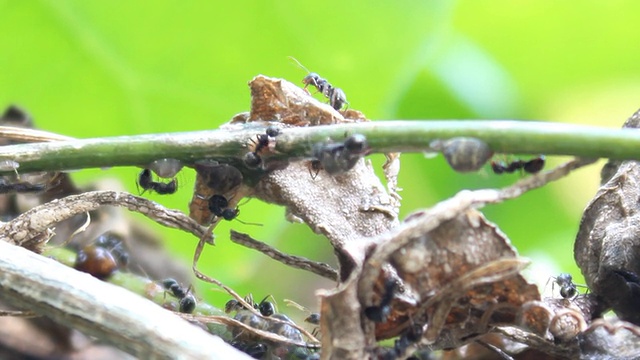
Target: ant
265	307
145	180
187	300
267	140
381	312
337	97
568	289
218	207
336	158
532	166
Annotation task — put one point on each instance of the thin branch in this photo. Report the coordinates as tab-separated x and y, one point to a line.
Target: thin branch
297	262
32	228
383	137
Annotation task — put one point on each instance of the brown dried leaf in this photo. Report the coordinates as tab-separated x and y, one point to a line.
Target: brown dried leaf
465	276
607	247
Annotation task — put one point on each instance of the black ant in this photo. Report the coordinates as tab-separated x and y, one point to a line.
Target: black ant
381	312
568	289
20	187
218	205
265	307
532	166
187	300
262	141
336	96
336	158
145	180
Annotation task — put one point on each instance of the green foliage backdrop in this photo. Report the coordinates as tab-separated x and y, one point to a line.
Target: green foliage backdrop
102	68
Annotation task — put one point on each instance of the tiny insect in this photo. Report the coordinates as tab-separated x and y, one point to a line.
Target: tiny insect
145	180
212	178
187	302
381	312
218	205
265	307
337	97
568	289
336	158
258	145
532	166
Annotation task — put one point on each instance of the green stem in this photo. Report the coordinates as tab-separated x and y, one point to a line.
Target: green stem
523	137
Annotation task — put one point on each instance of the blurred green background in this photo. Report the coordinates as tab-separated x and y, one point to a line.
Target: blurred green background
104	68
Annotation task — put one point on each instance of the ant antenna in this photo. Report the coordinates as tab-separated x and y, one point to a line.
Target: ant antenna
248	223
299	64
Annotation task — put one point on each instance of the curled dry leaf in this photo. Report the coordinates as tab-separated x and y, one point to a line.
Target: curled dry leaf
465	277
607	247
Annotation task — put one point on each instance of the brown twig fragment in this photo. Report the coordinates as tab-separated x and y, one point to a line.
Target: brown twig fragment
297	262
33	228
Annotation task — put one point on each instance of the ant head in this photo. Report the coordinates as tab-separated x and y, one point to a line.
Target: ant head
230	214
564	278
169	283
266	308
314	319
311	79
273	131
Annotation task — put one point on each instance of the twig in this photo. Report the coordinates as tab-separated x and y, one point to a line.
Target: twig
31	229
200	275
382	136
297	262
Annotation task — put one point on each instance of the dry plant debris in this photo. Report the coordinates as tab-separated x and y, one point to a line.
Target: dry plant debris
445	278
